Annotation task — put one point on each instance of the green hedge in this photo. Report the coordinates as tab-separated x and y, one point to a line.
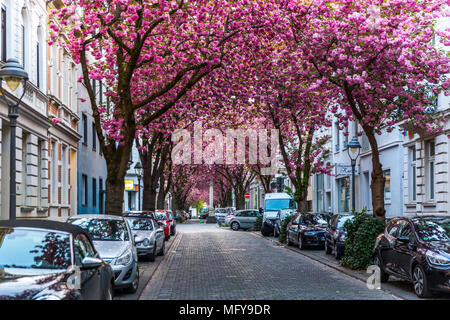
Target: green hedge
360	240
282	236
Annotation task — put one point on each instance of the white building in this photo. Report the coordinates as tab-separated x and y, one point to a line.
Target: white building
23	29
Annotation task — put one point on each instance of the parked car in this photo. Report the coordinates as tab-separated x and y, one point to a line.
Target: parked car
242	219
335	235
306	229
35	261
162	218
282	214
268	223
417	250
114	241
172	222
149	213
148	235
220	214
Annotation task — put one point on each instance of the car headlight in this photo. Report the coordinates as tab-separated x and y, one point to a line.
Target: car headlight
47	297
146	242
123	259
437	259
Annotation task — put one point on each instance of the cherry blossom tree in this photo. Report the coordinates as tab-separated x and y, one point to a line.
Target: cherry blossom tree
149	54
381	59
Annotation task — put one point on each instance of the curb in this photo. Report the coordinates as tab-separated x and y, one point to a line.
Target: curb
330	265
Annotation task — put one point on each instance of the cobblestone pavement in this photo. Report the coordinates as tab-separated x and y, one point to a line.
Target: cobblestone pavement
208	262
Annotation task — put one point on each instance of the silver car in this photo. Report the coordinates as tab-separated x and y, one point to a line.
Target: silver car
114	242
220	214
242	219
148	235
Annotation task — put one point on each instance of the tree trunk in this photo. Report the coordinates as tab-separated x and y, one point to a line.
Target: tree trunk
378	179
114	196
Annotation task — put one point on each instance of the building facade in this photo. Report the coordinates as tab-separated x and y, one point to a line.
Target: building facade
23	29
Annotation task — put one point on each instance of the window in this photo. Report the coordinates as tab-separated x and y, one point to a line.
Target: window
346	137
344	194
94	192
83	248
3	35
23	46
387	185
64	180
94	136
412	174
85	130
84	191
39	172
38	65
319	193
430	149
336	132
53	174
24	167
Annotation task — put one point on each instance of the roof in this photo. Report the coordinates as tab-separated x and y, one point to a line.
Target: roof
277	195
97	216
139	214
44	224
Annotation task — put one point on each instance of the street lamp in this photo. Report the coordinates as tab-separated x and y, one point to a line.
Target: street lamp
353	150
138	171
13	74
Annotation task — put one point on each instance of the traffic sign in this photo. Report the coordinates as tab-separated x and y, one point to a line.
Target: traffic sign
247	195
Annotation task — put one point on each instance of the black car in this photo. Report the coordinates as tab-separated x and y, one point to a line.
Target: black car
335	235
49	260
416	249
306	229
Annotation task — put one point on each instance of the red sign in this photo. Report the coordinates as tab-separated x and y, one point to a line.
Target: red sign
247	195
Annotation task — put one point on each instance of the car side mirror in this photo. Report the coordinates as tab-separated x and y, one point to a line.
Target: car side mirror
403	239
91	263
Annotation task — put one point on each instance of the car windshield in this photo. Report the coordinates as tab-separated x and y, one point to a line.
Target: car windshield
278	204
140	223
160	216
103	229
433	230
285	214
34	249
221	211
312	219
342	220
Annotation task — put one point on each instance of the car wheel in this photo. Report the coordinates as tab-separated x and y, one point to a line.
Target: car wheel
163	250
301	245
327	247
288	241
235	226
384	277
151	256
420	282
134	285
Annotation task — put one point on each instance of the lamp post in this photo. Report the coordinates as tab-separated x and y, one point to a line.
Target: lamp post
13	74
138	170
354	148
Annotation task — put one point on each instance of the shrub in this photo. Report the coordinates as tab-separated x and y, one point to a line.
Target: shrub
284	223
258	223
360	241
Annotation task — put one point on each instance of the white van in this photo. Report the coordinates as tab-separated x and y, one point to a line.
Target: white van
274	202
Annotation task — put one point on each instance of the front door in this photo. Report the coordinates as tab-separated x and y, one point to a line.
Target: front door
403	252
90	278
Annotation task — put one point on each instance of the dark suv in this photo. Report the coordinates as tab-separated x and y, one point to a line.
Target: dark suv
416	249
335	236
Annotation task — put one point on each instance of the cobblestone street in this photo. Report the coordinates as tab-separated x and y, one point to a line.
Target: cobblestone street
207	262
